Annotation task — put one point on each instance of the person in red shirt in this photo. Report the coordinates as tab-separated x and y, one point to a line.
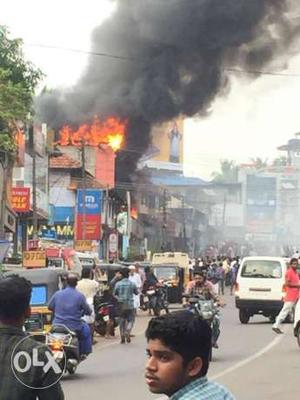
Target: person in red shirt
292	284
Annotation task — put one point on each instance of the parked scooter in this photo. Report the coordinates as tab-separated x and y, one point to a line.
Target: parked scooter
102	317
156	299
64	345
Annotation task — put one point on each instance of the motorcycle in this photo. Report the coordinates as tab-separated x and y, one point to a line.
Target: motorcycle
64	345
156	299
207	310
102	317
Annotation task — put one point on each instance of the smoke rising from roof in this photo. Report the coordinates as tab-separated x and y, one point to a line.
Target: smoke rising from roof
175	58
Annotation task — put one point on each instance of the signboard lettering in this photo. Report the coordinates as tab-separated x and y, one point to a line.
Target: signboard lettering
34	259
21	199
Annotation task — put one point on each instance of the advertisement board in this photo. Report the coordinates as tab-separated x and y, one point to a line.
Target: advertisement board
93	201
83	245
261	204
34	259
21	199
113	243
88	215
88	227
167	142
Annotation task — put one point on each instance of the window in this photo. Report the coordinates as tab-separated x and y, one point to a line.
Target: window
261	269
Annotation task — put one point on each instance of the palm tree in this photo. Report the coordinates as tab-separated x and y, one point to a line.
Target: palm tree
228	173
259	163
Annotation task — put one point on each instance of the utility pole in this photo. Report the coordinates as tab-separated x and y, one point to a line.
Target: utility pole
4	164
164	225
224	213
84	189
184	225
34	202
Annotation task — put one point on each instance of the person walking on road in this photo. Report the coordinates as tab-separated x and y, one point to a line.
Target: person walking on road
88	287
124	291
292	284
178	346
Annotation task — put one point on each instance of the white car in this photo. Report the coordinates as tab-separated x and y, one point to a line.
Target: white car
260	287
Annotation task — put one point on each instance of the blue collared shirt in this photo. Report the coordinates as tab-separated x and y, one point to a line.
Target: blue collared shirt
202	389
124	291
69	305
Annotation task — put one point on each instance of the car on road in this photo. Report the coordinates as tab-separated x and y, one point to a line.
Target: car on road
260	287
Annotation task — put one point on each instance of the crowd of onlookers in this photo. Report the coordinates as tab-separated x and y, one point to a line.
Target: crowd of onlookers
220	271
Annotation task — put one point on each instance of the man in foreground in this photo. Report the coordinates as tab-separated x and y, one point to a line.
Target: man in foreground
178	350
36	382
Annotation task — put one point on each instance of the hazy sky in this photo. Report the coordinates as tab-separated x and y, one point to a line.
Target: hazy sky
252	120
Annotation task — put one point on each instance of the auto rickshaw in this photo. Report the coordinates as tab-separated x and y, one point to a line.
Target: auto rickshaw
109	270
173	276
45	282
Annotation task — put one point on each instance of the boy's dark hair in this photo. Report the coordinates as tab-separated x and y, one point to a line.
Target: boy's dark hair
184	333
86	273
294	260
15	294
125	272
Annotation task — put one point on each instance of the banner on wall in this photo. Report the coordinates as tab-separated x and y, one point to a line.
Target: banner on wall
88	214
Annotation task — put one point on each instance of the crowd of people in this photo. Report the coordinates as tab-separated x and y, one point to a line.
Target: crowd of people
178	344
220	271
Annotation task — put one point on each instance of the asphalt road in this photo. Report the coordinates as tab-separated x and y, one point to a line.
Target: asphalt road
253	362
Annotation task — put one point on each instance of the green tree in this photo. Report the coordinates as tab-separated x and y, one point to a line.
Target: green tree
281	161
228	172
18	80
259	163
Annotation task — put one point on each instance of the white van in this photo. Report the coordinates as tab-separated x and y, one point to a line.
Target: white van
260	287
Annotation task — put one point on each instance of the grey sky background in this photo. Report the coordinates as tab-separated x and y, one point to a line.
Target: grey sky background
251	121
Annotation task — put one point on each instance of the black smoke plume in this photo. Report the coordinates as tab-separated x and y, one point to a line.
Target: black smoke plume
172	59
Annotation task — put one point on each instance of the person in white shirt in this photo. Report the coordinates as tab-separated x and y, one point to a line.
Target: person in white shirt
88	287
135	278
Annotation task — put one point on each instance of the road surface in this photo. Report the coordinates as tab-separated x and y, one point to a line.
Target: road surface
253	362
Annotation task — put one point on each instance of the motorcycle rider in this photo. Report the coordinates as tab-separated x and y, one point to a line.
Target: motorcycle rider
200	286
69	306
151	281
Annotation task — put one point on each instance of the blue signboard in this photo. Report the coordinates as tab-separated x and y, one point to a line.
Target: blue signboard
93	201
63	214
49	234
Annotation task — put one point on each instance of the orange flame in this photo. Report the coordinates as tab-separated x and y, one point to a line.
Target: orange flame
110	131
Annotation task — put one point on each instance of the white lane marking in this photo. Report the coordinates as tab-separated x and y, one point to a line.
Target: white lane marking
247	360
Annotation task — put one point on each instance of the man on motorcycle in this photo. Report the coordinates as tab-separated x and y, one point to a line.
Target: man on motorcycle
151	281
201	287
69	306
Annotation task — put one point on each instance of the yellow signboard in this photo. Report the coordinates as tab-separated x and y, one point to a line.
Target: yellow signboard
34	259
83	245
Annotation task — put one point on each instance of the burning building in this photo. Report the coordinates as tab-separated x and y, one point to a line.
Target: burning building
154	60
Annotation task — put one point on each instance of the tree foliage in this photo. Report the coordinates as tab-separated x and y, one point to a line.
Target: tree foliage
259	163
18	80
228	173
281	161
